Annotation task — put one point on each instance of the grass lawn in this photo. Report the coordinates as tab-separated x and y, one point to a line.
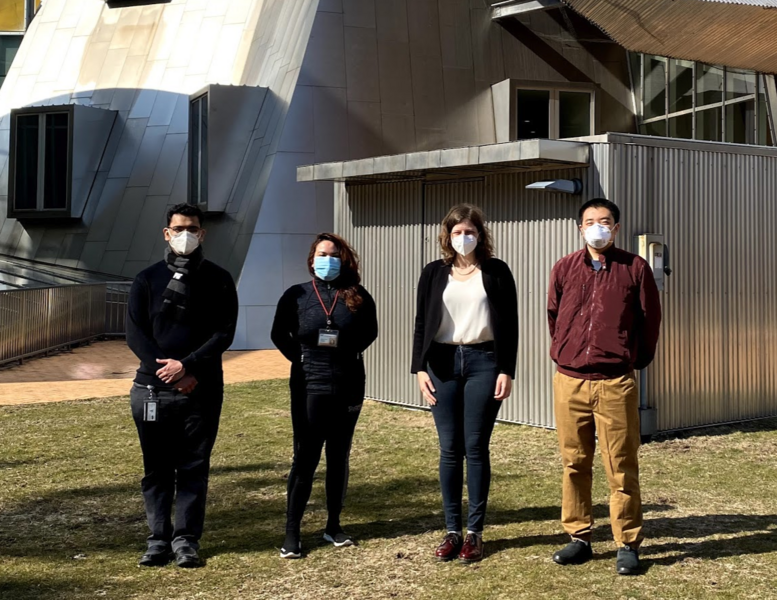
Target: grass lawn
72	522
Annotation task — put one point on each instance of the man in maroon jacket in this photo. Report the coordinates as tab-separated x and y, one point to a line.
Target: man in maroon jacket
604	314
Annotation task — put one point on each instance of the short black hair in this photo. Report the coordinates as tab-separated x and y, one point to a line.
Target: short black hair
187	210
600	203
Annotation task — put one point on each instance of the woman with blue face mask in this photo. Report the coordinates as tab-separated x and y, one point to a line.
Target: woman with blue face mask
464	354
322	327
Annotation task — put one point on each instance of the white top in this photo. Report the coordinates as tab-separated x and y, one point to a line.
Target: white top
466	318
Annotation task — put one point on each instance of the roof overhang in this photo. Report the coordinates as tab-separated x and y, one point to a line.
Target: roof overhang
735	33
454	163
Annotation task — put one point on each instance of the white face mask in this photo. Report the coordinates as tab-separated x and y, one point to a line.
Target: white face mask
464	244
597	236
184	243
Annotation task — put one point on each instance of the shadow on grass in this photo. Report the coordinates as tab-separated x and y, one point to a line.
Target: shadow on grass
35	588
766	424
762	541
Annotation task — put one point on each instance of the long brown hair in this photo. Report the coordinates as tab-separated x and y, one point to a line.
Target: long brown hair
464	212
349	278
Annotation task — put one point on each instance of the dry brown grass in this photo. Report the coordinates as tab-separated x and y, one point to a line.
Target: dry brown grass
72	526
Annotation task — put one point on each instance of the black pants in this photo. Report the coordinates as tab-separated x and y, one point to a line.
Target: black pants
465	413
176	460
318	420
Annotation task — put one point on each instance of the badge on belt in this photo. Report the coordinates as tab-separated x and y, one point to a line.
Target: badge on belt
150	406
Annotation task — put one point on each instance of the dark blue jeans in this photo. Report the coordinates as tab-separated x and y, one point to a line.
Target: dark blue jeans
464	378
176	460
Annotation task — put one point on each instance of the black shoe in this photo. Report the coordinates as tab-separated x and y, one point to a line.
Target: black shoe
155	556
186	557
339	538
292	547
576	552
627	562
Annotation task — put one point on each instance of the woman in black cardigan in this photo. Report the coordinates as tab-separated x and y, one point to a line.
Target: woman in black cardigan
464	355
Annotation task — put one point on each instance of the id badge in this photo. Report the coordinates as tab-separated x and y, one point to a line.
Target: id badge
328	338
150	406
149	411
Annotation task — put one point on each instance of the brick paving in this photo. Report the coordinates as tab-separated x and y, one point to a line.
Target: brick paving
105	369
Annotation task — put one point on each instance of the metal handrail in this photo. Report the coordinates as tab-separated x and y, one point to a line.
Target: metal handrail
38	320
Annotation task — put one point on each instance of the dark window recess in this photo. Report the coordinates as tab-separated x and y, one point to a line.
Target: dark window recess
533	114
26	197
574	114
198	150
56	167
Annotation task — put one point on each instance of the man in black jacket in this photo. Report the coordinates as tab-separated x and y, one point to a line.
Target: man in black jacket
181	319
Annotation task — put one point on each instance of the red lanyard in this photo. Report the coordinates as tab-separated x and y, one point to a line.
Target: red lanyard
332	309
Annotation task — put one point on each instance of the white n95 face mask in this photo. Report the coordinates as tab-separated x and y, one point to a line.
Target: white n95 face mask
184	243
464	244
597	236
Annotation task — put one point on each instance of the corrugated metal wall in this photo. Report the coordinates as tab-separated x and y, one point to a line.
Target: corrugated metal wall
718	213
718	346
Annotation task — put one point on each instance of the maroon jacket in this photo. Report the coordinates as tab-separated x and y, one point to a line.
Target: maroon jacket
604	324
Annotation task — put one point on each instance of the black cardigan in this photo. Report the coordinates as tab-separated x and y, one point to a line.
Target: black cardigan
502	302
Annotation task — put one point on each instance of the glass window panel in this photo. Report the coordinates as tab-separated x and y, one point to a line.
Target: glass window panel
655	128
9	46
12	15
533	114
709	125
56	149
635	61
655	86
574	114
194	154
681	127
763	118
740	122
204	149
709	84
680	85
739	84
26	167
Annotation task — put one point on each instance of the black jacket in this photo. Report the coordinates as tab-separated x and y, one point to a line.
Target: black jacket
316	370
502	302
199	340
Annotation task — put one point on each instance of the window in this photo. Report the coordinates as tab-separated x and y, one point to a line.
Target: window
47	179
9	46
691	100
198	150
553	113
41	161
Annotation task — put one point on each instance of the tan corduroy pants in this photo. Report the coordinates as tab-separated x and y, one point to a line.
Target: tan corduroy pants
609	408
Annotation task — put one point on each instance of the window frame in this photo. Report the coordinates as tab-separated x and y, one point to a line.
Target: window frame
201	199
41	112
554	112
695	108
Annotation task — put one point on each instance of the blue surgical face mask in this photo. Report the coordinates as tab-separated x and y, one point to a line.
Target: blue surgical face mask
326	267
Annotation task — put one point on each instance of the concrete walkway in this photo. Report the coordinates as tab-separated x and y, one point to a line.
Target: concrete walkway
106	369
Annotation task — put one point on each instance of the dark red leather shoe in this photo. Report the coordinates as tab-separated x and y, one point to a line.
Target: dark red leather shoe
472	550
450	547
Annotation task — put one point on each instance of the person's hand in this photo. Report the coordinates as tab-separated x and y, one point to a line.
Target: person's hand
172	371
186	384
504	385
427	387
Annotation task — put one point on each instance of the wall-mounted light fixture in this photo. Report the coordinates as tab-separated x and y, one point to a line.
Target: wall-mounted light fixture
565	186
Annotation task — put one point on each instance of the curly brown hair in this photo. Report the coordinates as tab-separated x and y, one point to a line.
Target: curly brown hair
464	212
349	279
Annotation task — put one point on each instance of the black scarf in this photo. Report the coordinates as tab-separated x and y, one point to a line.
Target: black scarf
176	295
